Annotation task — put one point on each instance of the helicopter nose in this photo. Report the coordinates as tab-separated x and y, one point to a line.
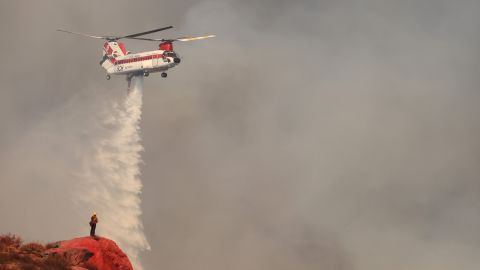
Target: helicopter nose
176	60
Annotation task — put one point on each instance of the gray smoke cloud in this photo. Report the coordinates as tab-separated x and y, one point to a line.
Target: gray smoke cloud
308	134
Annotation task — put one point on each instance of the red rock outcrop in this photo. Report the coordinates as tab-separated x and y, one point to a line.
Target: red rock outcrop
87	252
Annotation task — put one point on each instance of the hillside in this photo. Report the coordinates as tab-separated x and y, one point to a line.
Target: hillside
83	253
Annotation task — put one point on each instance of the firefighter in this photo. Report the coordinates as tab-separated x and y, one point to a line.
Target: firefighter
93	224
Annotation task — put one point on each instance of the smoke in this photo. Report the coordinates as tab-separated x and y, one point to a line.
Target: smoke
306	130
112	175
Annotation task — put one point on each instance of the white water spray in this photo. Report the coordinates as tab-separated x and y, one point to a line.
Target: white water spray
113	176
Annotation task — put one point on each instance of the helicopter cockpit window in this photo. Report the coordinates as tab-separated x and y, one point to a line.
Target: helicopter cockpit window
169	54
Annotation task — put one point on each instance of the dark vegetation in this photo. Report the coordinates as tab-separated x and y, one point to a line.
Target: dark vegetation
31	256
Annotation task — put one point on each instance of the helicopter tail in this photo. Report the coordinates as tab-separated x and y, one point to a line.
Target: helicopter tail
114	49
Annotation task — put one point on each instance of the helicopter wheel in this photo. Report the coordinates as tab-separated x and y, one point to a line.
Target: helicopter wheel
146	74
164	74
108	77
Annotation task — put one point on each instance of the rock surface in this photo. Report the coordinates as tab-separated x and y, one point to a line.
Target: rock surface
93	253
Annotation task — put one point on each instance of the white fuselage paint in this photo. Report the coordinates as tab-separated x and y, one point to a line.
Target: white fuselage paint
120	62
151	61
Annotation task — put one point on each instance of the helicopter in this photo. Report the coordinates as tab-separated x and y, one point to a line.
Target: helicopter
116	60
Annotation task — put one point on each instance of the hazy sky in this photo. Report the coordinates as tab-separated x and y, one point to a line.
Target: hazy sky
307	135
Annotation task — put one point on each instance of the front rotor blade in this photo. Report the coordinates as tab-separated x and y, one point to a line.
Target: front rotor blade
147	32
81	34
173	39
193	38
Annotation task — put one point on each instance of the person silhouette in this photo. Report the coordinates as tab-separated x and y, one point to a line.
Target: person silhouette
93	224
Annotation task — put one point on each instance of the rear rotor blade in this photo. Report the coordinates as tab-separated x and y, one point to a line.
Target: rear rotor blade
146	33
148	39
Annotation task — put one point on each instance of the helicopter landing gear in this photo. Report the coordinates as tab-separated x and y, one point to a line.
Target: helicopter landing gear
164	74
108	77
146	74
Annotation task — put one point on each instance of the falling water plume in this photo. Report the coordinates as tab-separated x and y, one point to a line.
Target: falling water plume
113	175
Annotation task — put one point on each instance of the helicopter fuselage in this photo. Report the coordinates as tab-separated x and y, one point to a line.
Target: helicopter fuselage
117	60
144	62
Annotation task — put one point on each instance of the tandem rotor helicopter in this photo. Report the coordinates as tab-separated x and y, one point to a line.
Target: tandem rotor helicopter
117	60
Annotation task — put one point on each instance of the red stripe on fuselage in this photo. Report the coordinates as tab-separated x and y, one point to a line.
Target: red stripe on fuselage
139	59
